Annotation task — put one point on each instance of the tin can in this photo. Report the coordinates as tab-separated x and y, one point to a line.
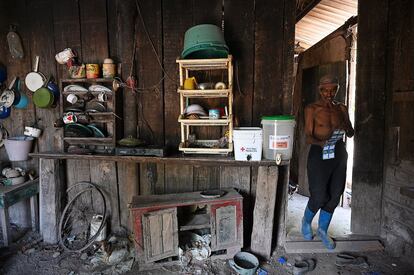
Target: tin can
214	114
92	70
64	56
108	68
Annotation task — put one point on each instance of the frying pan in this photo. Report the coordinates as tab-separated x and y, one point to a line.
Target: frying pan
9	97
35	80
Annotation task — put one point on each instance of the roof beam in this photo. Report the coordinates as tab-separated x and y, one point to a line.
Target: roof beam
306	9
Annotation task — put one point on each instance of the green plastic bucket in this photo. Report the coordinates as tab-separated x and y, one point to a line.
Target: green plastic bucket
204	41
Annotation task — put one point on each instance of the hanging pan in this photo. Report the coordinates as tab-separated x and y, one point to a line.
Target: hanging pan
43	97
35	80
9	97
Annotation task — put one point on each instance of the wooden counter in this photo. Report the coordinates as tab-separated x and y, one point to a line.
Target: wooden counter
122	177
184	159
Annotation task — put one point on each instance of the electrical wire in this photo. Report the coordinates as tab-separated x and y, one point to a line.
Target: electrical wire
151	42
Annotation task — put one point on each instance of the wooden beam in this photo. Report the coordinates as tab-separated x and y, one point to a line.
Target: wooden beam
370	115
50	195
318	247
306	9
264	210
179	159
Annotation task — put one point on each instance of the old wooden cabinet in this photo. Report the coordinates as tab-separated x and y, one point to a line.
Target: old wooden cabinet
158	219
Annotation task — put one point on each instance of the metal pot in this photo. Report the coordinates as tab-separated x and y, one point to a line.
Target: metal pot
131	142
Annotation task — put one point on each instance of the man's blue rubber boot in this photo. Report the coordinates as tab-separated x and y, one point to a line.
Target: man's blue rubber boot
307	224
324	221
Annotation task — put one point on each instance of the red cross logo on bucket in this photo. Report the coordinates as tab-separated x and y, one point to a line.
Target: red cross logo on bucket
242	149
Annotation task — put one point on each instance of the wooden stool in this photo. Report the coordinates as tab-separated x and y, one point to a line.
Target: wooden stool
10	195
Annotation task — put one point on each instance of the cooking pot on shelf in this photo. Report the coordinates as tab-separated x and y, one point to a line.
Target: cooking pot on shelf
131	142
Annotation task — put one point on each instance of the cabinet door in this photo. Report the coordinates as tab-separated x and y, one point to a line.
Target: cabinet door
160	234
224	226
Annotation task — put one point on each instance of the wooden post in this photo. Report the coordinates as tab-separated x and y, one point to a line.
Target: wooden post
34	212
5	225
264	210
50	195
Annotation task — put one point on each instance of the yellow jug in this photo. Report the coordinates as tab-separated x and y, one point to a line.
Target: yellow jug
190	83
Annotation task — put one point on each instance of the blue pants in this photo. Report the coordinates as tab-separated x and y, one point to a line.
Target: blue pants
326	178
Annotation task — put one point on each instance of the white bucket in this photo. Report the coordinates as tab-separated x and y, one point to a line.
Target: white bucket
18	148
96	222
278	134
247	143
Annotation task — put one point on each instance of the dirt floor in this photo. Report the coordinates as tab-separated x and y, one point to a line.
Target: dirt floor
30	256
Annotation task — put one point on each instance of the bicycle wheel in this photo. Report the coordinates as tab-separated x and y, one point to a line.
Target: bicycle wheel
74	226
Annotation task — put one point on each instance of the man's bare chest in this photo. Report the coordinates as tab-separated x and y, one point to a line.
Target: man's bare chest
328	116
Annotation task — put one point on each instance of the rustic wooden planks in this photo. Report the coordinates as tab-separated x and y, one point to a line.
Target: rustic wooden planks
98	28
128	186
42	44
239	28
103	174
176	21
239	178
67	32
178	178
149	71
269	59
264	211
125	27
51	195
152	179
369	117
318	247
206	178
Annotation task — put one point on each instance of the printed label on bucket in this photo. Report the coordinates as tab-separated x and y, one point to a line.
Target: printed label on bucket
248	149
279	142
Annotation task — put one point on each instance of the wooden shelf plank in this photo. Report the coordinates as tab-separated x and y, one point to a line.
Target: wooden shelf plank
199	221
189	160
86	80
89	140
196	150
205	64
205	121
204	93
180	199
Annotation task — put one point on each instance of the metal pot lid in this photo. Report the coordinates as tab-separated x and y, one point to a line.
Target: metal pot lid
131	142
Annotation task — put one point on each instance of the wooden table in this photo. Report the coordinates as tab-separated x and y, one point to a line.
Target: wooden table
10	195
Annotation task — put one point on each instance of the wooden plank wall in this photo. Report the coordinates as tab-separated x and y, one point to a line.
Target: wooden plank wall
369	117
260	35
398	209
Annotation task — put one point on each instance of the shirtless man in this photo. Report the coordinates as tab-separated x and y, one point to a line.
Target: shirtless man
325	123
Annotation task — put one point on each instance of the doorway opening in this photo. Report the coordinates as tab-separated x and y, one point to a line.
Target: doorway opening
335	54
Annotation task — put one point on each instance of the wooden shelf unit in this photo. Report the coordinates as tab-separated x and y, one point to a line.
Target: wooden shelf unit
185	67
106	121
